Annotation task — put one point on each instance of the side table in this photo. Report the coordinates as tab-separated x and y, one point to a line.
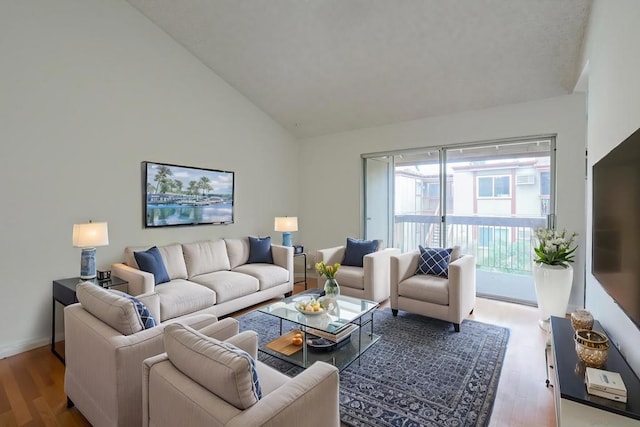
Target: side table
64	292
304	255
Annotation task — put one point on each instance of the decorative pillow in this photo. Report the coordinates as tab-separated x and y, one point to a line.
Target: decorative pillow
145	315
434	261
151	262
112	309
357	249
221	368
260	250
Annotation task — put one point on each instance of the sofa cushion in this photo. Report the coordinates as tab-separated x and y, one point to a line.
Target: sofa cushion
434	261
227	285
350	277
427	288
180	297
260	250
116	311
151	262
238	251
220	367
268	275
147	319
356	250
205	257
171	255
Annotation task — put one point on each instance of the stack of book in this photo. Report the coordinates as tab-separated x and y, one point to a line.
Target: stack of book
337	338
605	384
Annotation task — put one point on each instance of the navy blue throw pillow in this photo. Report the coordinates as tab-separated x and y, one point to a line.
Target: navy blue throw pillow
356	250
145	315
260	250
151	262
434	261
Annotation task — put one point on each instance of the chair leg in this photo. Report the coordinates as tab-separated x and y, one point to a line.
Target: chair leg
69	403
394	312
456	326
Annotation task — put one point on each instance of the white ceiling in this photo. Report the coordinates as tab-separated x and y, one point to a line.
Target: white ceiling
324	66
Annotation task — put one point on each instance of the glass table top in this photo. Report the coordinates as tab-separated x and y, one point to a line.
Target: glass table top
339	312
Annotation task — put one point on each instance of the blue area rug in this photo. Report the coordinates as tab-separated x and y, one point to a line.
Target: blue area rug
420	372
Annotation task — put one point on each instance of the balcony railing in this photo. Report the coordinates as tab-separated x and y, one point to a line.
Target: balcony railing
498	243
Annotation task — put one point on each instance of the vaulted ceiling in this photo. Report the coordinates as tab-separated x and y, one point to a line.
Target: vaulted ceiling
324	66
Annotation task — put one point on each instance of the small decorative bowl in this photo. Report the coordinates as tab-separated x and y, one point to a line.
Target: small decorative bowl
592	347
581	319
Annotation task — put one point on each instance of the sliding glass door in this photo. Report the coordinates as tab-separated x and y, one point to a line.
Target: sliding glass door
485	197
378	172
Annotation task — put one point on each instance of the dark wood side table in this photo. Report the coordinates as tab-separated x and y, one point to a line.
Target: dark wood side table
304	255
64	292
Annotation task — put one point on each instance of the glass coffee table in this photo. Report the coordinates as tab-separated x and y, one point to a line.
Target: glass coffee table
346	326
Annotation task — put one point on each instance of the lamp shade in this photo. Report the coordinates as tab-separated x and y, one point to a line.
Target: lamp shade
90	235
286	223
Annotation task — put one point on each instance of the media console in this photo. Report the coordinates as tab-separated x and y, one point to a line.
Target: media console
574	406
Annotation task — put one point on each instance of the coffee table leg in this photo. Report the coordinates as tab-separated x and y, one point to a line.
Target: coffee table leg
304	347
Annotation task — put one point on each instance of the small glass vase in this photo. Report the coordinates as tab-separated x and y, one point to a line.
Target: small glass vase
331	288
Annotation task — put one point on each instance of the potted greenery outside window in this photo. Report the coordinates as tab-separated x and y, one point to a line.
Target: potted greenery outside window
552	272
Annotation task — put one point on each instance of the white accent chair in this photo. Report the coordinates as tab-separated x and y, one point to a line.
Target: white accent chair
450	299
200	382
370	282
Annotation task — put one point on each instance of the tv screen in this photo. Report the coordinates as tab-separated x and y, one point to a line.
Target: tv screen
616	225
183	195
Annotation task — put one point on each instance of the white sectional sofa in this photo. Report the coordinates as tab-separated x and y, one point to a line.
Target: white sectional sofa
210	277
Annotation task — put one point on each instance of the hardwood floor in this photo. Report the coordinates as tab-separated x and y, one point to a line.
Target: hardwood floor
32	383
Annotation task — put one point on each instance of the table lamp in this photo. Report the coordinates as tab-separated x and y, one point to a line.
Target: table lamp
286	224
87	236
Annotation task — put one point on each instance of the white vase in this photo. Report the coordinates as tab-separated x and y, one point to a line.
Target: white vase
553	288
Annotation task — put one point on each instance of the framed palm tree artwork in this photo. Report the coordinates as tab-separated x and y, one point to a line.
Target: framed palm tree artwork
176	195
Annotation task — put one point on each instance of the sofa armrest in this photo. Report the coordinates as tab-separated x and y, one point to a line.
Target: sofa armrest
247	341
401	267
147	364
221	330
376	273
140	282
283	256
331	255
313	392
462	285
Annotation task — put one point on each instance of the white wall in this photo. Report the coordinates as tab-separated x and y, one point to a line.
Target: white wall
332	165
614	113
89	89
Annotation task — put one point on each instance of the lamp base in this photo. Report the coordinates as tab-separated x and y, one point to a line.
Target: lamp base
286	239
88	263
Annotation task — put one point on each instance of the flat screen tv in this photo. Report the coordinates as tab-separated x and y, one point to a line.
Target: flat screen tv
183	195
616	225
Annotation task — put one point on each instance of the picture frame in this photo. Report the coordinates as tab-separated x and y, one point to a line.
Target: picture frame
175	195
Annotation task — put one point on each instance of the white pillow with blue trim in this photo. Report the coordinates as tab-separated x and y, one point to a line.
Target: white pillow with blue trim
220	367
434	261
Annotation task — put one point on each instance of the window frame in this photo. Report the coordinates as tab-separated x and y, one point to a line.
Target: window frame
493	187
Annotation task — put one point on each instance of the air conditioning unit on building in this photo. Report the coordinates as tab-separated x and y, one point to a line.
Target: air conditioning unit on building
525	179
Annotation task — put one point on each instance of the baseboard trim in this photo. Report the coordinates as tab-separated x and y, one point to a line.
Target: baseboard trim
22	346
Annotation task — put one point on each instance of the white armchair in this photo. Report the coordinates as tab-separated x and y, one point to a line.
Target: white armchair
450	299
201	382
371	281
